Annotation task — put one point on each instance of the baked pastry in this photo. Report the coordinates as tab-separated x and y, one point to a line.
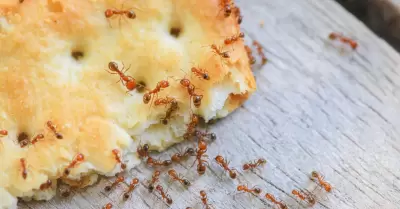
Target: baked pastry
61	111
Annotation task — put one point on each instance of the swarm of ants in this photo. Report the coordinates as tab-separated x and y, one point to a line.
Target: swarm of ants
199	153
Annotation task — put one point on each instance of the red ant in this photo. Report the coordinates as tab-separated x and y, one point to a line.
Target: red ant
23	166
164	195
307	197
165	101
176	177
36	138
233	38
143	151
236	11
224	164
154	179
46	185
177	157
134	183
128	81
108	206
196	98
117	155
255	164
160	85
260	52
129	13
168	114
226	6
271	198
321	181
254	190
52	127
3	133
118	180
202	135
204	200
202	149
201	73
353	44
153	162
218	51
194	120
249	52
77	159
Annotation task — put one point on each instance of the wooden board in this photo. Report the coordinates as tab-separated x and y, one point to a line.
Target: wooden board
315	109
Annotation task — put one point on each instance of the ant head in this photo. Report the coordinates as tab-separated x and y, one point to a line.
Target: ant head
257	190
225	55
241	34
164	84
159	187
314	174
135	181
131	14
262	161
219	158
80	157
113	66
203	145
108	13
295	192
115	151
240	188
246	167
203	193
120	179
3	132
185	82
156	173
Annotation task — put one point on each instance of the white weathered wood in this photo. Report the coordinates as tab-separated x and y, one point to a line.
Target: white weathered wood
315	109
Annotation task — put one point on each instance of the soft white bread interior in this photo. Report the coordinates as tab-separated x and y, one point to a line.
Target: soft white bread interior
54	57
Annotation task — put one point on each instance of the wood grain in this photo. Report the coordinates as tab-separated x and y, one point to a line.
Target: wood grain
315	109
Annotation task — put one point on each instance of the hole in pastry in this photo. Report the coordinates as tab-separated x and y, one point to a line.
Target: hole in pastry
54	6
175	31
23	139
141	86
77	54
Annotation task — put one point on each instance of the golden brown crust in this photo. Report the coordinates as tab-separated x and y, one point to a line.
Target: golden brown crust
41	81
